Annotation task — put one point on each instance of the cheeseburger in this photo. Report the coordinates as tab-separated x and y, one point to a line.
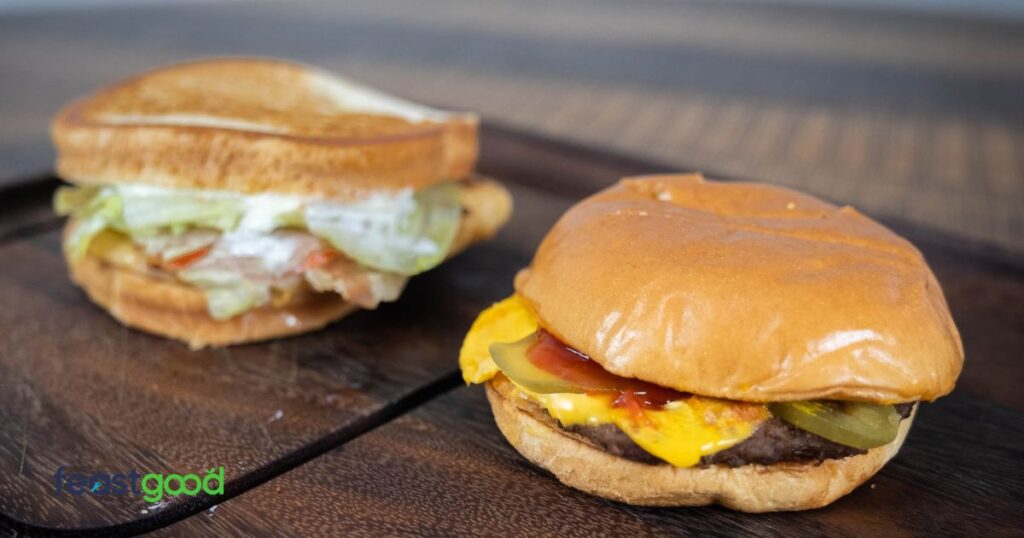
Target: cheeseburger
231	200
680	342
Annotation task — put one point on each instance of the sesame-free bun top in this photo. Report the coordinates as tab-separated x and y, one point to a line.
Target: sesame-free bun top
259	125
743	291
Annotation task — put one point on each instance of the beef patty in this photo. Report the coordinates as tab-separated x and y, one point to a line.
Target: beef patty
774	441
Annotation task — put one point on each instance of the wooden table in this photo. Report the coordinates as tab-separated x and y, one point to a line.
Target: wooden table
365	428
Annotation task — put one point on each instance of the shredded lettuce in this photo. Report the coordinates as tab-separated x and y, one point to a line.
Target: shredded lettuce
390	235
227	293
140	216
146	213
405	234
96	208
70	199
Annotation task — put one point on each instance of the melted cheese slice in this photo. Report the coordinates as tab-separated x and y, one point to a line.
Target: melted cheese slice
505	321
118	250
679	433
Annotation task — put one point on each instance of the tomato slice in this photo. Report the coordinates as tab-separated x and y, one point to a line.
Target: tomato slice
187	259
319	258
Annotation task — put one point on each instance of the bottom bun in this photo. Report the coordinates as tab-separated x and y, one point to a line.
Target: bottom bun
167	307
750	488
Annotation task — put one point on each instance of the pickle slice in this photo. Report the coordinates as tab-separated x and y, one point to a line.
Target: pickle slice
512	361
856	424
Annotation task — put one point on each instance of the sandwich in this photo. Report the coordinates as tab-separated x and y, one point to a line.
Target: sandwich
681	342
232	200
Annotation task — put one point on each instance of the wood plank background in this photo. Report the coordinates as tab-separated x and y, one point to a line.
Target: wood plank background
901	115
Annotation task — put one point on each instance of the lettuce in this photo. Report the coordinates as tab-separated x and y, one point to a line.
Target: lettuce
404	234
141	212
96	209
67	200
227	292
146	213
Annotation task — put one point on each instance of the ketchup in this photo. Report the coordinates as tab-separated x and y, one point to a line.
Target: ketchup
554	357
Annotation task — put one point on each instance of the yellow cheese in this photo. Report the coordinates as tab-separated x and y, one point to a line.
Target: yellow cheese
505	321
679	433
118	250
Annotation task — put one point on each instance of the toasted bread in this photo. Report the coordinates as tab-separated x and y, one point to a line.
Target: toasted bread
256	125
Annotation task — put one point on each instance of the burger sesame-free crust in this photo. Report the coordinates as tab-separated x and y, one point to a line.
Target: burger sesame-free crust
743	291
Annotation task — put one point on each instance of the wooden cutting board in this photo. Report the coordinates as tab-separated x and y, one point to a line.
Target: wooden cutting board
364	427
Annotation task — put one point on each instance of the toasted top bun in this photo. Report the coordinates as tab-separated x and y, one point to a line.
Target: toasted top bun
743	291
257	125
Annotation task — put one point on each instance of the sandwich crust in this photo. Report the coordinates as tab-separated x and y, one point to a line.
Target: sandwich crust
257	125
743	291
157	303
167	307
749	488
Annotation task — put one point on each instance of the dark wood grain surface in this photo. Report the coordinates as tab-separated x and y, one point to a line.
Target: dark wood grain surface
24	207
79	390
